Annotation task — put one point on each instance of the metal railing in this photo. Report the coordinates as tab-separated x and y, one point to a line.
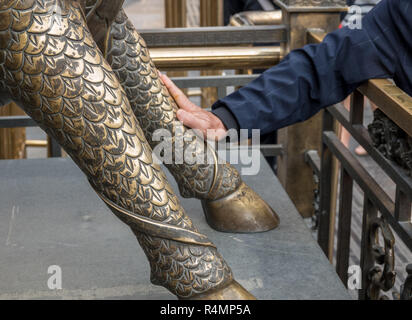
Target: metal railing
381	214
219	48
214	36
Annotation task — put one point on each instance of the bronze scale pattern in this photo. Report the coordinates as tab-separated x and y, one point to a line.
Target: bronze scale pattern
51	65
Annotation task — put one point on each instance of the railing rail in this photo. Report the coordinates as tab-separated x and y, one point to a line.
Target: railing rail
214	36
216	58
216	48
255	18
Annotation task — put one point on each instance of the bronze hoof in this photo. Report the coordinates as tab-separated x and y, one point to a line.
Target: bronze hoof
233	291
243	211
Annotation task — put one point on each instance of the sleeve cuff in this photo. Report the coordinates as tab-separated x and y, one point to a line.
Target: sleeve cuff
225	115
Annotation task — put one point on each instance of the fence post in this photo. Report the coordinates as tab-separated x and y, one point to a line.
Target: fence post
176	17
211	15
175	13
12	140
294	174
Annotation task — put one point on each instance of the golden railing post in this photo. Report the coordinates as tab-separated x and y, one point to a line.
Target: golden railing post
175	13
176	17
293	172
12	141
211	15
317	36
334	195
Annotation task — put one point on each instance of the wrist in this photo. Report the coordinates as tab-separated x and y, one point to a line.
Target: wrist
227	119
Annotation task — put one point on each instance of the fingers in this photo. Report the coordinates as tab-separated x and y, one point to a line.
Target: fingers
182	101
193	116
190	120
203	123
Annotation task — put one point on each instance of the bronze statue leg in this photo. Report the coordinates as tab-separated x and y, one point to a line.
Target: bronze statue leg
229	204
51	66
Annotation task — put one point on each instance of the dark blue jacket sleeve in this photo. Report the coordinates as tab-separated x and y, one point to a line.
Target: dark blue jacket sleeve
318	76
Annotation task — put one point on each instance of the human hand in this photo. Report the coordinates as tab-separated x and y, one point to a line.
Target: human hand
194	116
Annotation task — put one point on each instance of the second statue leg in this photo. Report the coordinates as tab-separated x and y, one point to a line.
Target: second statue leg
229	204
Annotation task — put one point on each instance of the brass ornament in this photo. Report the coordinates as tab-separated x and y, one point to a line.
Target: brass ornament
381	277
393	142
406	290
51	66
